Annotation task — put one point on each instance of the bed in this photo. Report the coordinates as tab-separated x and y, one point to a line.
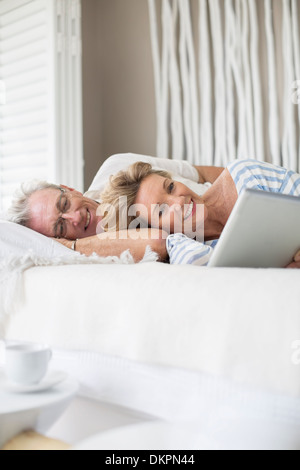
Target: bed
206	346
179	343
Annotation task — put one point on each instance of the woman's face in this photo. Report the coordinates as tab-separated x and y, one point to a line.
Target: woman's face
171	206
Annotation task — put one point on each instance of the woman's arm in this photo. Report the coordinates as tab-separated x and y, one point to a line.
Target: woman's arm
184	250
208	173
115	243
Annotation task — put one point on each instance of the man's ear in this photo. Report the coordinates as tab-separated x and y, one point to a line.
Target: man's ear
70	189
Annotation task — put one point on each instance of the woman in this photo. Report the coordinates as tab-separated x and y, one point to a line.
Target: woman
171	206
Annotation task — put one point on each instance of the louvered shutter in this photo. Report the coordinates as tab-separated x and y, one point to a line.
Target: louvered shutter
40	94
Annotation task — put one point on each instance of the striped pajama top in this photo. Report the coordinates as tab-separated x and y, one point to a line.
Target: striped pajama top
245	174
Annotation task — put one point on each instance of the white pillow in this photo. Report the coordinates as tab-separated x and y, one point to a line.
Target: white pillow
17	240
181	171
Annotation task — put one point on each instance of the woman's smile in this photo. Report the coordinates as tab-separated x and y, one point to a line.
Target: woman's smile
88	220
191	210
179	209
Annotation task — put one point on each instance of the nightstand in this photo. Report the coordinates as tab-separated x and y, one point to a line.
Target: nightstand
32	411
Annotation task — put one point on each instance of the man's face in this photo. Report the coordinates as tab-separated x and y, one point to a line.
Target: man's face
64	213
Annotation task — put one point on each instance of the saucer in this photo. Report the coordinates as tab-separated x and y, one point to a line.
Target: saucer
51	379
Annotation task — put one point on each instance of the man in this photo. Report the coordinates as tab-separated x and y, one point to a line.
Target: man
74	220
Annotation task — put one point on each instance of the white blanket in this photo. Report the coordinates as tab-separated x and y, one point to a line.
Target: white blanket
238	324
13	267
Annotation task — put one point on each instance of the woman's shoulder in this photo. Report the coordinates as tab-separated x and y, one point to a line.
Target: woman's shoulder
238	167
257	175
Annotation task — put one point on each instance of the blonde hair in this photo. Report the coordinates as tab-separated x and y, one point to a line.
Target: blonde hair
121	193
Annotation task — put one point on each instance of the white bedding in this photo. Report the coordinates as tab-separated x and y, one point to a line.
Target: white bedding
22	248
181	171
233	324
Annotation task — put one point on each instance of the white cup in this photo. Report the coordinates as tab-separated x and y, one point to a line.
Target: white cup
27	363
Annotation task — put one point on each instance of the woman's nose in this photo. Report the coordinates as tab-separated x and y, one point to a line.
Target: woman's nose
177	202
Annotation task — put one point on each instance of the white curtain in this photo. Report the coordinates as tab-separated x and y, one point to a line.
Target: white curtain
227	79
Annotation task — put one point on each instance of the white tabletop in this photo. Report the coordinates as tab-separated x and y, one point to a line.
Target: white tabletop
11	402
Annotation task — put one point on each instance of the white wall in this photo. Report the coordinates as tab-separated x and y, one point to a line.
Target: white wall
118	84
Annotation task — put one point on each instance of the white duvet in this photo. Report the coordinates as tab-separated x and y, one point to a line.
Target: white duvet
22	248
237	324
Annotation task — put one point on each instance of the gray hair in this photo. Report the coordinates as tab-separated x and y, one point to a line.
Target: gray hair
19	211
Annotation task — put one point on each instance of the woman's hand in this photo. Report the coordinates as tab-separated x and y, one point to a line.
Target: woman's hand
296	263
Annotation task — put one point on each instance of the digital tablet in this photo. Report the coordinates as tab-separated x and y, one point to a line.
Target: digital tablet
263	231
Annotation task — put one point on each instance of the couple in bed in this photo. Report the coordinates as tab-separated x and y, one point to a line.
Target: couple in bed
158	202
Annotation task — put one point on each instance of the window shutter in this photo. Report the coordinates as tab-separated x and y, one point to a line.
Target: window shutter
40	94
